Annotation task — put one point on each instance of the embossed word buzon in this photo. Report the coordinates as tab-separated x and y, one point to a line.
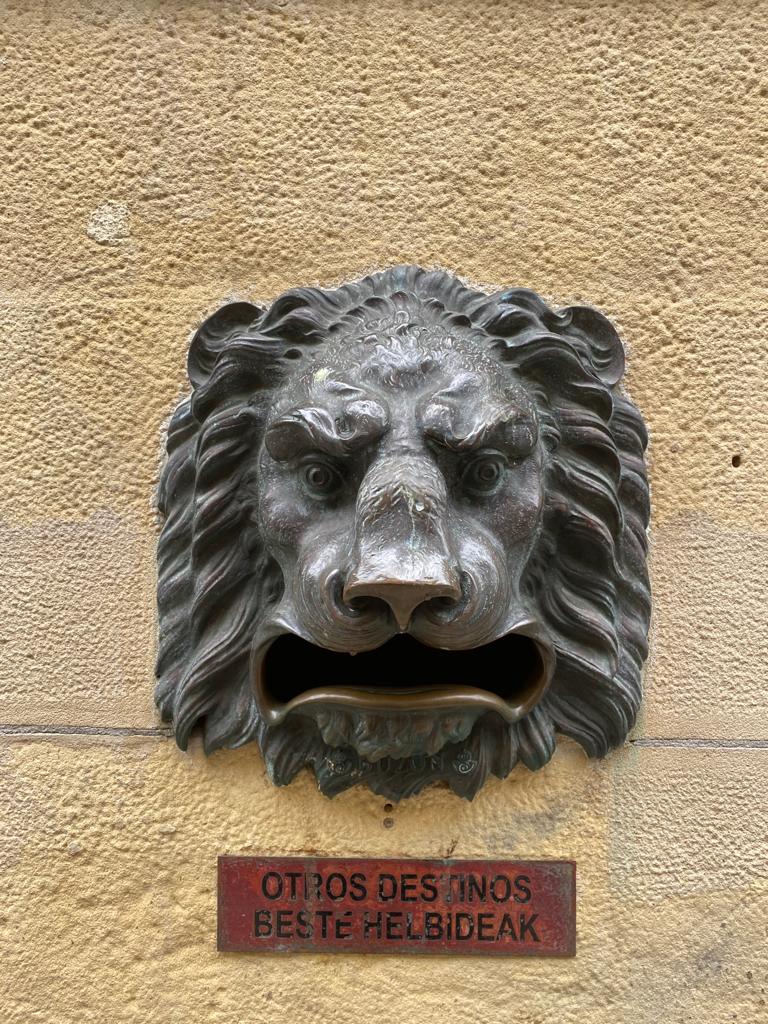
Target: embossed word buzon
405	535
503	908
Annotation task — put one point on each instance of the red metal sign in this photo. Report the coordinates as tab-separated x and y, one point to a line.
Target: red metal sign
330	905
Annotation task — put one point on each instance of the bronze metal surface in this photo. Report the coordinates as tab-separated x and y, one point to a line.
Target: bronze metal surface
405	532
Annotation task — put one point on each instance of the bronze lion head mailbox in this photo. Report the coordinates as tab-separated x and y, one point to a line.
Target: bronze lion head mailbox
405	534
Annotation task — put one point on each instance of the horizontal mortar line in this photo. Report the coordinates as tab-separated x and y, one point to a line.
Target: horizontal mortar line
83	730
165	731
680	741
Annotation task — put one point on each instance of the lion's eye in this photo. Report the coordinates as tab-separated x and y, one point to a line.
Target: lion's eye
483	474
321	479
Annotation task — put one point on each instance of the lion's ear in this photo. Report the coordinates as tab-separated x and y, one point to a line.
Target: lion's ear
212	335
606	351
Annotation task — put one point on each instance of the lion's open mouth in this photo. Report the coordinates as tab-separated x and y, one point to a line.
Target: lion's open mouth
508	676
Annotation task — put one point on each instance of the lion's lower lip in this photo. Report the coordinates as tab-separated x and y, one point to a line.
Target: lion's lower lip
508	676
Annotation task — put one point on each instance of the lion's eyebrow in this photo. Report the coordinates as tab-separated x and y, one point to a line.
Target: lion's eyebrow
461	428
312	428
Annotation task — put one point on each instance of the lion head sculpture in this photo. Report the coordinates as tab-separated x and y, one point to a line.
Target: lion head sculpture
405	534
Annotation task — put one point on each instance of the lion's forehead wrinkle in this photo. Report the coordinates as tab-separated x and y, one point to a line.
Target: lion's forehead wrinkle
410	479
342	388
462	384
404	354
365	418
420	502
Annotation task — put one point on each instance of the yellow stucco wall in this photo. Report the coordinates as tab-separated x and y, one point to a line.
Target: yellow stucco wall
163	156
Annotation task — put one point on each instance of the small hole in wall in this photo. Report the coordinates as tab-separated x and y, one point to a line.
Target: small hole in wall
292	353
389	823
388	808
736	461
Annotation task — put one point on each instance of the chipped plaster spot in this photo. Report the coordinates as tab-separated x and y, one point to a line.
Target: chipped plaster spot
109	223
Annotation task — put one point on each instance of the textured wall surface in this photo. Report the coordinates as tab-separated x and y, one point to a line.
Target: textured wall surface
163	156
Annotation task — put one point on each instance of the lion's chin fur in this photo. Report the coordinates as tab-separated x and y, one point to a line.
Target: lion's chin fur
375	736
491	747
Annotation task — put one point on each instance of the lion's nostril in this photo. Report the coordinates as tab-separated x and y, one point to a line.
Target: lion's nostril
342	607
451	606
354	607
367	606
401	597
443	609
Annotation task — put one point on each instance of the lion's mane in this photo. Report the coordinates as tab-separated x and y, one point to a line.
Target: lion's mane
587	577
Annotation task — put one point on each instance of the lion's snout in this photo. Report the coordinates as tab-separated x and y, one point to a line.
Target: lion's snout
404	552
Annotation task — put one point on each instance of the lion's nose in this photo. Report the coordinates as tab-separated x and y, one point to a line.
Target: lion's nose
405	595
403	554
